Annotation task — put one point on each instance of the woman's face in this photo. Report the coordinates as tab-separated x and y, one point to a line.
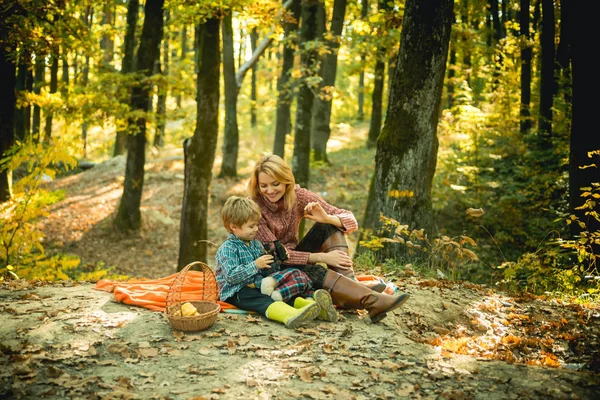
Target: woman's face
271	188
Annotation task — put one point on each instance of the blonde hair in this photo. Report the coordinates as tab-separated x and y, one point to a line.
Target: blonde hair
276	168
239	210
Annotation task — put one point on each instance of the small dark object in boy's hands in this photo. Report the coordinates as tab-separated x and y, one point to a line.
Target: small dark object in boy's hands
278	251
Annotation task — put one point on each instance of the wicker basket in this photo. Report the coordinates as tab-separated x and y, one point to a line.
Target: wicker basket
207	306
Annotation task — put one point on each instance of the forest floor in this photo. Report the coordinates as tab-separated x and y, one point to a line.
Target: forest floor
451	340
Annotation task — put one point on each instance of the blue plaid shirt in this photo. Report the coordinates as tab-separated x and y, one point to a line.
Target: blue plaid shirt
236	266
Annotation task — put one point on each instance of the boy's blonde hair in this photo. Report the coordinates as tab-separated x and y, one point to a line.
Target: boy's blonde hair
239	210
276	168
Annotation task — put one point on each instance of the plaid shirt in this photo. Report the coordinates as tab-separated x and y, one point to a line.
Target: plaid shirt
236	266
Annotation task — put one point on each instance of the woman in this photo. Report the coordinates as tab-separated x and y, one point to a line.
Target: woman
283	205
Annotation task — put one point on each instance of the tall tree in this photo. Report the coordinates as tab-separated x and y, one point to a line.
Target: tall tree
253	98
202	147
525	110
54	52
231	133
127	66
129	216
321	131
301	157
39	82
107	44
182	57
582	143
547	79
407	147
8	71
361	79
53	89
22	113
88	20
284	92
161	101
379	73
377	101
231	138
451	81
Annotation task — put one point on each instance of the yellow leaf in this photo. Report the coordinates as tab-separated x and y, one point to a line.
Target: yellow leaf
475	212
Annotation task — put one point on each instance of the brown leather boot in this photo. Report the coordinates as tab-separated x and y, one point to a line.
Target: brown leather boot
337	241
352	295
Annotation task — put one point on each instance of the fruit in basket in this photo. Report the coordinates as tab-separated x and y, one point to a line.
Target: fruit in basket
188	310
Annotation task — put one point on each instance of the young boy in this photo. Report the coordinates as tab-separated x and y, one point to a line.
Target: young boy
239	262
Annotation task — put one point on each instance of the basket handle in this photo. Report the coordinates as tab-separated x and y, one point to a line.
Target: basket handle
174	293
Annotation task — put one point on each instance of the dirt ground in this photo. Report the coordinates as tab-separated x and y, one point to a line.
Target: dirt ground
449	341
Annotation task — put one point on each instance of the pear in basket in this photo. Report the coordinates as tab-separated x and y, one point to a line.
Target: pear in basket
188	310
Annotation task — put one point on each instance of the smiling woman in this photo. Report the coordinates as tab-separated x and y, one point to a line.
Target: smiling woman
283	205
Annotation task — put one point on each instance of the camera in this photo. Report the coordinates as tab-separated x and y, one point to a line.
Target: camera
278	252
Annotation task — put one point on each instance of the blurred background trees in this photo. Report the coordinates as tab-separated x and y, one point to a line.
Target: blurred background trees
511	139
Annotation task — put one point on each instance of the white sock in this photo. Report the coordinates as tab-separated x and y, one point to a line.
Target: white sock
276	295
268	285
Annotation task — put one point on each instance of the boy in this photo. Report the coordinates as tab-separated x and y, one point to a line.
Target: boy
239	262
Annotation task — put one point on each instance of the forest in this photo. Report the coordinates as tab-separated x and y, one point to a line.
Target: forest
455	131
476	159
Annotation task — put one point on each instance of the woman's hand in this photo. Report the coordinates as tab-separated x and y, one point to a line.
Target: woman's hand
314	211
263	262
337	259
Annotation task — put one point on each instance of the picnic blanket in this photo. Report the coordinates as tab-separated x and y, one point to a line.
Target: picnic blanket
152	294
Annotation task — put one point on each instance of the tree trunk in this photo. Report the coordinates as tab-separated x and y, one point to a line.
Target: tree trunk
107	44
260	49
129	217
466	42
28	109
361	79
284	92
525	110
253	40
184	50
22	112
128	66
7	107
377	104
202	146
547	80
53	89
40	69
407	147
451	81
161	102
321	130
563	52
88	20
65	69
377	95
497	34
361	90
498	28
301	157
231	133
391	70
369	222
583	119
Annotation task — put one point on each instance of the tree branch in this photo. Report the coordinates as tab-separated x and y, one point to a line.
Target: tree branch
260	49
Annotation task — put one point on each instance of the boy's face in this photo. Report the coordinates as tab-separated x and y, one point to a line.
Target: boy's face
246	232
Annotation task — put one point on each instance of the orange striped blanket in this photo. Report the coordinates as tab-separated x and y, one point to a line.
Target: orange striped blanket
152	294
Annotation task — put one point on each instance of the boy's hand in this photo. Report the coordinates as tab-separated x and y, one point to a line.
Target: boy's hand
263	262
